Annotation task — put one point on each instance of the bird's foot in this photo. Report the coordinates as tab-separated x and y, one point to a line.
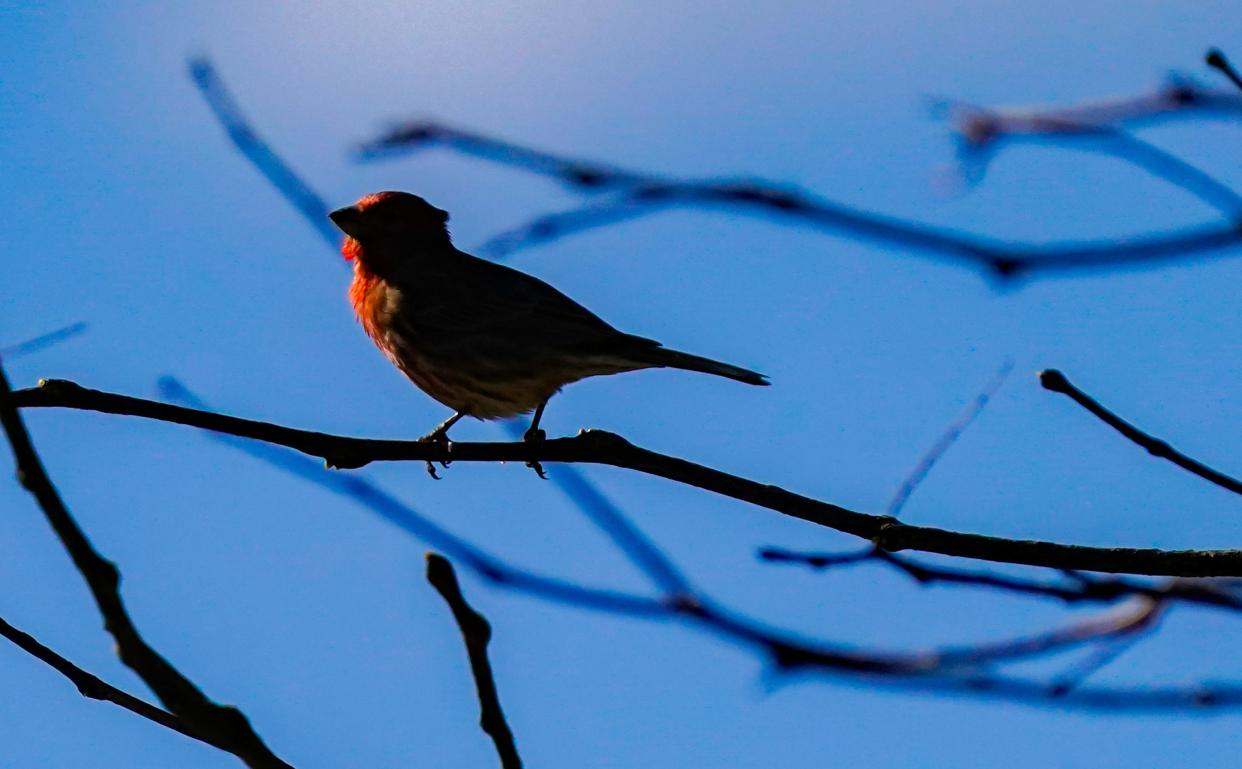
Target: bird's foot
438	436
536	437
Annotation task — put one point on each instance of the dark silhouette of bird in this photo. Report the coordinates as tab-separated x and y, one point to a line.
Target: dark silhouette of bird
484	339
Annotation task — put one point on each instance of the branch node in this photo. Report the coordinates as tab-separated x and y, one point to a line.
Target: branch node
885	536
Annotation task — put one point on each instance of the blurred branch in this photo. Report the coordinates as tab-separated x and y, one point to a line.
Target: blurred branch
1177	99
639	194
582	175
1055	381
225	727
951	670
609	519
43	341
259	153
983	132
947	439
599	447
1216	59
1099	658
1081	588
477	633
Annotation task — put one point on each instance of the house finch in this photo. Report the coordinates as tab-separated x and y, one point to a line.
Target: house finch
483	339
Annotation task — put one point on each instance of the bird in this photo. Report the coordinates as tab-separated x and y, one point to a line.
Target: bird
483	339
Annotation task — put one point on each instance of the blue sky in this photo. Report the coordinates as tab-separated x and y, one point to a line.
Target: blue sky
127	208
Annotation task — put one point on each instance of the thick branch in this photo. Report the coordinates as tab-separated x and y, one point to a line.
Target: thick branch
1055	381
598	447
476	632
225	726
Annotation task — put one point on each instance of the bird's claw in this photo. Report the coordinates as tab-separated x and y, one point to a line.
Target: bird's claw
439	437
536	437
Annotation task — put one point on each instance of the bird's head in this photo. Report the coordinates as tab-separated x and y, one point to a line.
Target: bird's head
391	222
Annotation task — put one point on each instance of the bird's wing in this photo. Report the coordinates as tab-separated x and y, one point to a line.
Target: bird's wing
473	297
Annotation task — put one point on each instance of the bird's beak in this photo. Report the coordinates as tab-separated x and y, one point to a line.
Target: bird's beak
348	219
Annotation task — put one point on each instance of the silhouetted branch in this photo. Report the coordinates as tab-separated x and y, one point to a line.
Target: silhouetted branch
43	341
958	669
90	685
357	488
599	447
1055	381
1216	59
223	726
1080	589
606	516
477	633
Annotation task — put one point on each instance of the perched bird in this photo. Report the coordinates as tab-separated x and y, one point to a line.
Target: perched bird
483	339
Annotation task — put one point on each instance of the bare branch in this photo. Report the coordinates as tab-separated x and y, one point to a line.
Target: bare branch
1055	381
1179	98
641	194
983	132
599	447
1081	589
491	567
606	516
259	153
43	341
90	685
583	175
953	670
1099	658
477	633
221	725
947	439
1216	59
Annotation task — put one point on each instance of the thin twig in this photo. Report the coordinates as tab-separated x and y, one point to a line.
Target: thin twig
983	132
609	519
260	153
223	725
477	633
1099	658
640	194
1054	380
43	341
1082	589
599	447
947	439
93	687
1216	59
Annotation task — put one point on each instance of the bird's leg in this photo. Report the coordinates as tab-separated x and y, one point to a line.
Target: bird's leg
535	435
440	435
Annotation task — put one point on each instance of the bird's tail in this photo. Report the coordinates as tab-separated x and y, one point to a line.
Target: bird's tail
666	358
